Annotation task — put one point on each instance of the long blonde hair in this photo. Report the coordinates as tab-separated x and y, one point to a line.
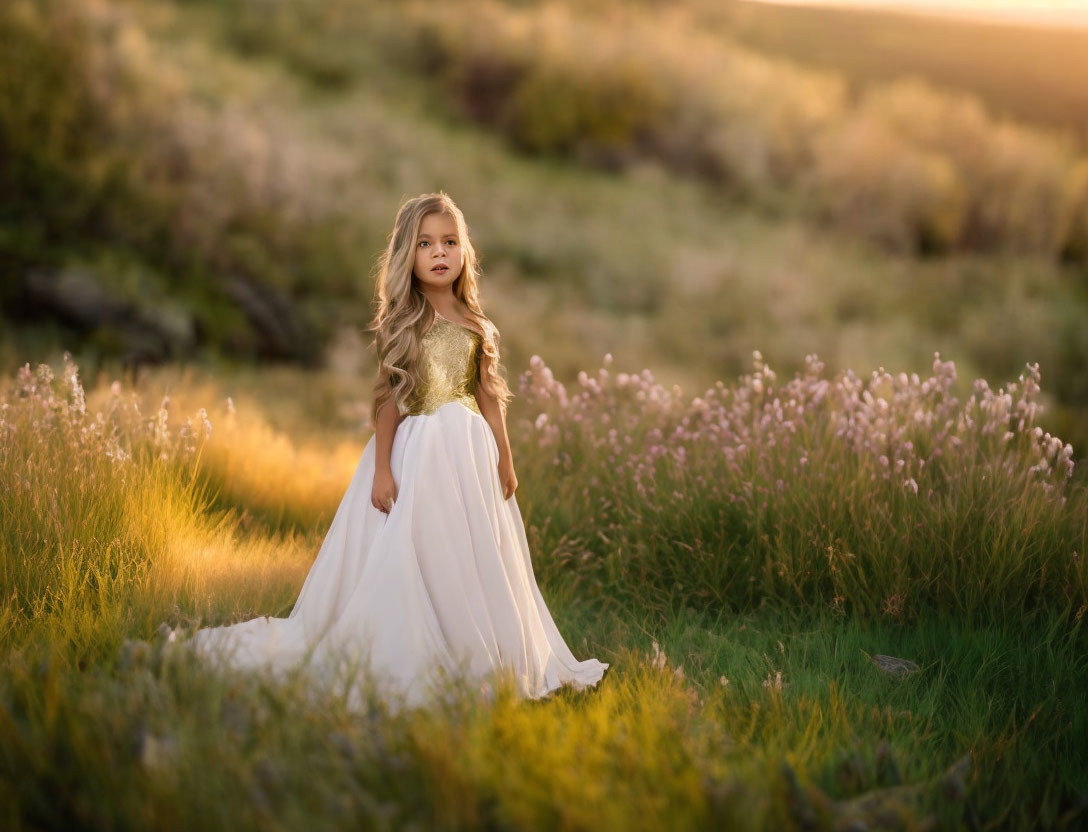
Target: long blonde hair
402	313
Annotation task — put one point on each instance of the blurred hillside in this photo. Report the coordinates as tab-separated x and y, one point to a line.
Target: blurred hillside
206	178
1021	72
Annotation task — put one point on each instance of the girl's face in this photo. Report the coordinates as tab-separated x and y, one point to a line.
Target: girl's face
438	251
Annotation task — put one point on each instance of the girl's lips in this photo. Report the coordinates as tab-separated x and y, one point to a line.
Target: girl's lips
440	268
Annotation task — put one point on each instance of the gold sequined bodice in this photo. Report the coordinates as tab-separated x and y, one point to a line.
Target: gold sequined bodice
448	368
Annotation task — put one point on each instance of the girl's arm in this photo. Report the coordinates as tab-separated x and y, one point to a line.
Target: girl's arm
384	487
386	428
495	414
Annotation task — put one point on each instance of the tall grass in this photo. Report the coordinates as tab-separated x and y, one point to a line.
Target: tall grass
772	716
105	524
276	481
885	496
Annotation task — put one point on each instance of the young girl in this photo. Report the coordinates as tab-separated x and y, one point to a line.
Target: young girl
425	568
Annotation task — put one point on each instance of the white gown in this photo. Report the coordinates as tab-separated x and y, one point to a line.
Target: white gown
442	583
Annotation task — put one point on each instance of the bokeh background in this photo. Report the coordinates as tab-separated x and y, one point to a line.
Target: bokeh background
209	182
831	597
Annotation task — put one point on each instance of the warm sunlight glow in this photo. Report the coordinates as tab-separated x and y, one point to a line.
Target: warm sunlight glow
1050	12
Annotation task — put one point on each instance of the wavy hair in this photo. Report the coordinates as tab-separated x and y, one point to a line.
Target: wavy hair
402	313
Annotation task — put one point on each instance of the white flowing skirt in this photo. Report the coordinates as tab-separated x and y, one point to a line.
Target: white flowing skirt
441	584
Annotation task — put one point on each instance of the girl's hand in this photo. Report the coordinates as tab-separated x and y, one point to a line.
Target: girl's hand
507	479
384	491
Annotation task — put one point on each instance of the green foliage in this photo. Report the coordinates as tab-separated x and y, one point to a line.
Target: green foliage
108	152
57	169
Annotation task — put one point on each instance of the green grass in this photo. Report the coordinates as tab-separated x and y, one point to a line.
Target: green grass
155	739
761	711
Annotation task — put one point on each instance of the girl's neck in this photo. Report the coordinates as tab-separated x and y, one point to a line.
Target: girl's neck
440	298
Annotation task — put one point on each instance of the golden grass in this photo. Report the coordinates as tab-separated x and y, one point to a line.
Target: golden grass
740	721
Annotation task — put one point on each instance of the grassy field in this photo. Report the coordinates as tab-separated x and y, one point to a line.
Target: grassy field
739	566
